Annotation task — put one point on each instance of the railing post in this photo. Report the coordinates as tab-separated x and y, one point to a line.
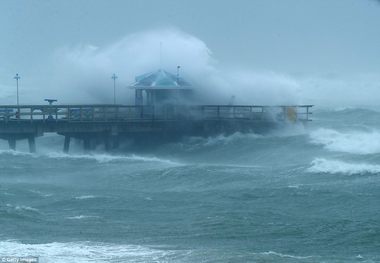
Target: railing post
80	113
68	113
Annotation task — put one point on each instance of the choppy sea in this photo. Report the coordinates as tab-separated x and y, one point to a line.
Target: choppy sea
301	194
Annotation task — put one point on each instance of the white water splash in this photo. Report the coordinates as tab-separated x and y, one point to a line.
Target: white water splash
355	142
83	72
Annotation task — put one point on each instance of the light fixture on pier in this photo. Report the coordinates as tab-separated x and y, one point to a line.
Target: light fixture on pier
50	111
114	77
50	101
17	77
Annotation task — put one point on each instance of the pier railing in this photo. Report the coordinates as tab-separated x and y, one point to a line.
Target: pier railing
123	113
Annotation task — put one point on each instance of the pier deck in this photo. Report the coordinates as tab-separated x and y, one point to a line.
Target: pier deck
108	123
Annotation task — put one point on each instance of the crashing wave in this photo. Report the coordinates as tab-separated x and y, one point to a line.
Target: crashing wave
355	142
321	165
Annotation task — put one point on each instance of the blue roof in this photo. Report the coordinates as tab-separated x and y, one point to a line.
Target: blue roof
160	79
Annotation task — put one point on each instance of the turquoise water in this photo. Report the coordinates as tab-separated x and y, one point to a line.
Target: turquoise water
295	195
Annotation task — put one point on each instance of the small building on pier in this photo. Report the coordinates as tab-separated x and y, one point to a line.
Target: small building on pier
161	87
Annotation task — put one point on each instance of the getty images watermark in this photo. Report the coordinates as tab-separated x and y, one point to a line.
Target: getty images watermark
18	259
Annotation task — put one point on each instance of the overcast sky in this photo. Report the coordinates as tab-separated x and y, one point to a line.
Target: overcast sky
289	36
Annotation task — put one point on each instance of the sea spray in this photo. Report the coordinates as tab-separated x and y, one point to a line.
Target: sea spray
85	69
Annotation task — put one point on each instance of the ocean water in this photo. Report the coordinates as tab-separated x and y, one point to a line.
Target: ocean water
301	194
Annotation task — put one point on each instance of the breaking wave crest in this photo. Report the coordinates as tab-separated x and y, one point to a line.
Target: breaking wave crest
355	142
238	137
321	165
224	139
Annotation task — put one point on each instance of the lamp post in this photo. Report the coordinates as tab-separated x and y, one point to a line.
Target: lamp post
17	77
178	67
114	77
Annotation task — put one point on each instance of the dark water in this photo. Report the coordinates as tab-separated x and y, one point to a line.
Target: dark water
297	195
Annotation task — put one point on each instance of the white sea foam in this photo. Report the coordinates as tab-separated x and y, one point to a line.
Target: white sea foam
344	108
84	252
295	186
273	253
321	165
106	158
81	217
367	108
99	157
356	142
22	208
82	197
194	143
287	131
26	208
199	142
15	153
40	193
223	139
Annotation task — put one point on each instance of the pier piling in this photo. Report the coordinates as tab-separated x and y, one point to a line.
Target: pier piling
107	143
12	144
32	144
115	142
86	144
66	144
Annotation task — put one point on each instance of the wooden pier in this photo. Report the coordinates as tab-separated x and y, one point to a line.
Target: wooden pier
107	124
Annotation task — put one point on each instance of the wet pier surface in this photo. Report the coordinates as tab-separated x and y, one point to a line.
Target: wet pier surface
107	124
